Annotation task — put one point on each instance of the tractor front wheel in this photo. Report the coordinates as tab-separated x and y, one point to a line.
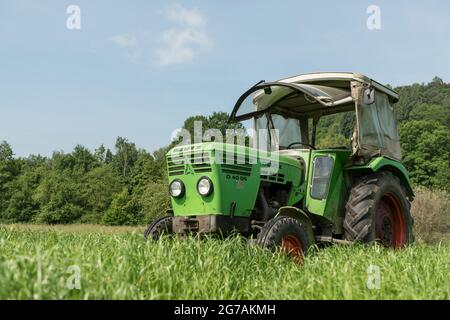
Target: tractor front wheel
287	234
378	210
158	227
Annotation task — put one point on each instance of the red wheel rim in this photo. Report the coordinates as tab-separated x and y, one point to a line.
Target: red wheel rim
390	228
292	246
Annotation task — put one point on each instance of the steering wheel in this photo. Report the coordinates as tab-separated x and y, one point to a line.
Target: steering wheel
304	144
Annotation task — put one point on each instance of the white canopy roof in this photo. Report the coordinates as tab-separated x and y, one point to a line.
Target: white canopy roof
338	79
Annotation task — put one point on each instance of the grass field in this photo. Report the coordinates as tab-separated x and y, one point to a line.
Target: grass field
115	263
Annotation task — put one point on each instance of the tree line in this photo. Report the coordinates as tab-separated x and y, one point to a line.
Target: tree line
128	185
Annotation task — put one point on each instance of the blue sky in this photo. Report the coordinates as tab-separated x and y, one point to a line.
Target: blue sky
138	68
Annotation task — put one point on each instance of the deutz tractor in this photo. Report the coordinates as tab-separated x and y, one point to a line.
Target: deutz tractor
286	193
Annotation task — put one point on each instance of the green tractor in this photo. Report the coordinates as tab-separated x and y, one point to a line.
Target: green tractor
286	193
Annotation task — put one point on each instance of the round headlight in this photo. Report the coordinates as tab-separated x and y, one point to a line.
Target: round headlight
204	186
176	189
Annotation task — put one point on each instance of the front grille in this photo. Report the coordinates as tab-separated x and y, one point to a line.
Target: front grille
175	169
198	161
239	169
238	164
275	177
278	178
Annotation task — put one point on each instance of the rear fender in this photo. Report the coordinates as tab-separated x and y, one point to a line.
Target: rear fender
382	163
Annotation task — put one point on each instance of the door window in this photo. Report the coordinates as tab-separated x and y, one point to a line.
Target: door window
322	169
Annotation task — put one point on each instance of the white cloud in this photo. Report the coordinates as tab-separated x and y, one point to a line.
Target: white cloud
179	44
125	40
134	52
182	43
189	17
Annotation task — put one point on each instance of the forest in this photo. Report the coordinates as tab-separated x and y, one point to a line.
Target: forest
128	186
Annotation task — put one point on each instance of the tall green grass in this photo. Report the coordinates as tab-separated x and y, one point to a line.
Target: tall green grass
34	265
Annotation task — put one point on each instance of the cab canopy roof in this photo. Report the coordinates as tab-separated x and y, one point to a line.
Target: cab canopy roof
306	95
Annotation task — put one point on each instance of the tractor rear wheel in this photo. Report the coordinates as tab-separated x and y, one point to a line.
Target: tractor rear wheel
378	210
158	227
287	234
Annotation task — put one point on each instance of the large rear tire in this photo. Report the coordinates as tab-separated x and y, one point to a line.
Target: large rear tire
287	234
158	227
378	210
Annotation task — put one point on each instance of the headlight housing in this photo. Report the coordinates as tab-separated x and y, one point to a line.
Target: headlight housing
176	188
204	186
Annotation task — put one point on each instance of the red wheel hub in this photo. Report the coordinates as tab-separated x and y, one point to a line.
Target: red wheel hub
390	227
292	246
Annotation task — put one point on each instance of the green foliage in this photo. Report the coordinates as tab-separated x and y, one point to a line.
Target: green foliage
124	210
83	160
98	188
6	152
218	121
9	169
159	157
431	112
435	93
155	201
335	130
425	135
60	199
125	157
143	172
426	146
21	205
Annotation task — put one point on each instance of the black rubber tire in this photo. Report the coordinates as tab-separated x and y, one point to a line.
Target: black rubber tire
158	227
364	199
272	234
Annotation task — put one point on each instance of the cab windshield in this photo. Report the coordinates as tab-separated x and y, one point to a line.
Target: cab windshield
274	132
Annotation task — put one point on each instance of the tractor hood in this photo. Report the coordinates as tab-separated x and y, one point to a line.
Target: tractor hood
235	172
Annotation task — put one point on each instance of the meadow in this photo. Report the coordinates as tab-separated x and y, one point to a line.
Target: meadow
43	262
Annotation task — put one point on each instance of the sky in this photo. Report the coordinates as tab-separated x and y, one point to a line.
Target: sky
137	69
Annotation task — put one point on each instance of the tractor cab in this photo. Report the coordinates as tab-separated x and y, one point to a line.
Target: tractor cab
284	190
290	109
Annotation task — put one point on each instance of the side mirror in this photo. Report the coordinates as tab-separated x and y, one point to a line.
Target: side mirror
369	96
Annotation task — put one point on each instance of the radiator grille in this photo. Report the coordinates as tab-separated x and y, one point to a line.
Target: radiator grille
275	177
199	161
278	178
239	169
